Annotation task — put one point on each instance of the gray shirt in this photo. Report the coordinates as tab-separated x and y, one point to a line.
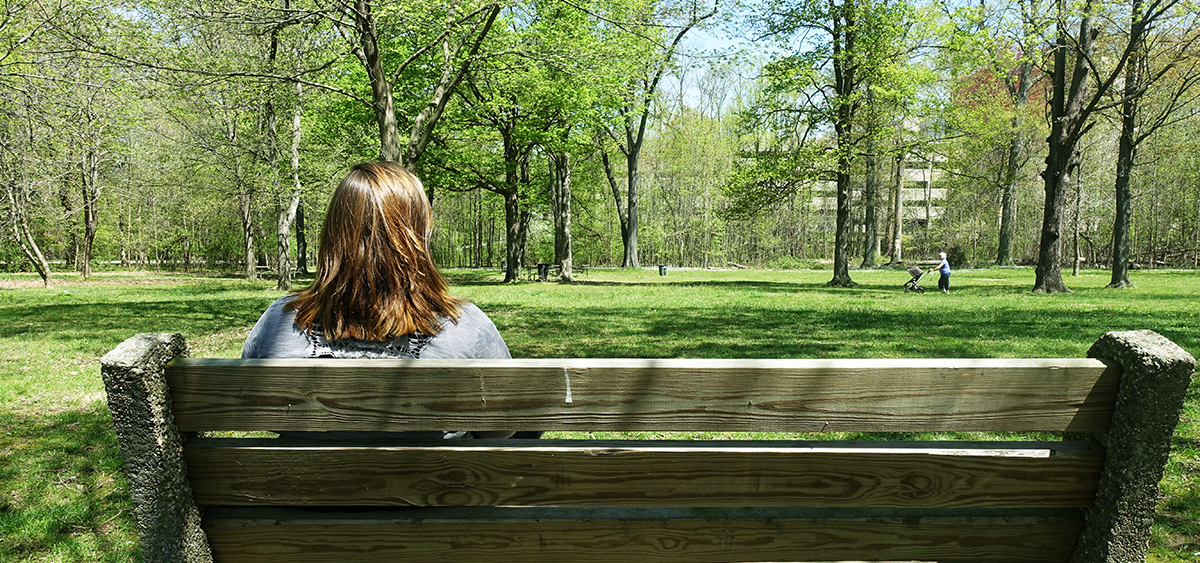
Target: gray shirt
276	335
474	336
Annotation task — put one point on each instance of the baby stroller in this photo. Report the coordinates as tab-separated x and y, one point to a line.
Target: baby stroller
912	284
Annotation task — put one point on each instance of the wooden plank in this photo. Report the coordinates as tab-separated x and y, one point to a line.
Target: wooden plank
651	536
1073	394
568	473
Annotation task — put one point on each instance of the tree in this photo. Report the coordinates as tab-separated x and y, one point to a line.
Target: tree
498	126
994	63
28	165
459	33
1081	89
864	42
653	56
1167	58
560	201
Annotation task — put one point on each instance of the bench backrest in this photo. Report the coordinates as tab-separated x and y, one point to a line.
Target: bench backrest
657	500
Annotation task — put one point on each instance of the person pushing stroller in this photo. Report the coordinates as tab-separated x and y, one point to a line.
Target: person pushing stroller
918	274
944	269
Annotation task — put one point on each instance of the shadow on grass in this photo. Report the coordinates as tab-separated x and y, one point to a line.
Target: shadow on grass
63	490
95	326
766	332
827	322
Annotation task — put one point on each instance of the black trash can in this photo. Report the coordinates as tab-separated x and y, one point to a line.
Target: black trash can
662	269
543	271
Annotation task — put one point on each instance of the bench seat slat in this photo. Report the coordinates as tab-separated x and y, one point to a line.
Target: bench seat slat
897	395
629	473
652	536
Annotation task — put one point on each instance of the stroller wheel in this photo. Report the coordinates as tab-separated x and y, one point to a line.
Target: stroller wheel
919	289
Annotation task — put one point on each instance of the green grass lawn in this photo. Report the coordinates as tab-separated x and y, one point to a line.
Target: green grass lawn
63	496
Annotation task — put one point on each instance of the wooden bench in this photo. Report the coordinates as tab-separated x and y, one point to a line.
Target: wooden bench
1087	497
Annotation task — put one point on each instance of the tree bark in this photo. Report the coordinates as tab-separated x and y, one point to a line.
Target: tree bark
512	235
871	208
382	104
1048	274
1012	170
246	199
1126	158
71	251
516	219
123	229
1067	127
622	217
18	204
630	260
90	192
301	242
1076	226
898	208
287	215
844	21
841	244
561	207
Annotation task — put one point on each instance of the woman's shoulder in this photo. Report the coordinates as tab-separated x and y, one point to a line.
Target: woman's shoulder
471	320
474	335
275	335
277	305
472	313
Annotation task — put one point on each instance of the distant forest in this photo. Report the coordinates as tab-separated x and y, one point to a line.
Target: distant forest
769	133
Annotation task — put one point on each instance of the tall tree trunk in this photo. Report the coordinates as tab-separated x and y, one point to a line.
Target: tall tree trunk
841	239
381	86
1067	126
636	115
512	236
247	208
928	197
288	214
1076	226
301	242
71	252
123	230
898	208
622	217
871	207
1048	274
525	219
1012	170
272	153
844	86
1126	158
560	163
630	239
246	199
19	204
90	191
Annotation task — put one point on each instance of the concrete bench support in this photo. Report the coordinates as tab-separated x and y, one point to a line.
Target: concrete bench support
1155	374
168	521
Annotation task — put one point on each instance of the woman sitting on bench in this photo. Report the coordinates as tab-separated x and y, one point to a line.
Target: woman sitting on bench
377	292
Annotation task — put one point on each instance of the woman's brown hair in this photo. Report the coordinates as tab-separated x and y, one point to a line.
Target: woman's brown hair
375	277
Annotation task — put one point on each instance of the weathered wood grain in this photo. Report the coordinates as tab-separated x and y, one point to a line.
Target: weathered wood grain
708	536
1073	394
567	473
